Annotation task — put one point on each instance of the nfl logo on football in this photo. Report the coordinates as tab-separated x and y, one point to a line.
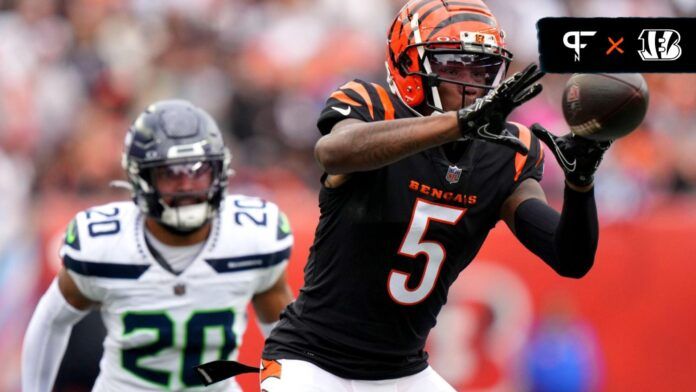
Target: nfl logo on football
573	99
453	174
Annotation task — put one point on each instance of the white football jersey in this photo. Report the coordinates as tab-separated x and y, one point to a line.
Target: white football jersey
160	324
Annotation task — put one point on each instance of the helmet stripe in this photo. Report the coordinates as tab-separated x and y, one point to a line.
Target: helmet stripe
401	26
463	17
360	89
386	102
446	7
393	25
429	12
479	6
417	8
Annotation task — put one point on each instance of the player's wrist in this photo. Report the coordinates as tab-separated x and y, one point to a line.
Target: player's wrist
579	179
582	188
453	132
467	120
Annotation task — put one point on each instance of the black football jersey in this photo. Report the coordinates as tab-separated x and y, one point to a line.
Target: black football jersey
389	244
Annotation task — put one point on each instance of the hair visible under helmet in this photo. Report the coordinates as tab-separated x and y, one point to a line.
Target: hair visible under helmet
440	31
175	134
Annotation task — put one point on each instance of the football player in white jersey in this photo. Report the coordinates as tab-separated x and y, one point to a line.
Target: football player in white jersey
172	271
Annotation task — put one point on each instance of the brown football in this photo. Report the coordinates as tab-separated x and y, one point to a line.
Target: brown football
605	106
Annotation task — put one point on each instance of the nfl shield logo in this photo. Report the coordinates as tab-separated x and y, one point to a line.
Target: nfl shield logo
180	289
453	174
573	100
573	93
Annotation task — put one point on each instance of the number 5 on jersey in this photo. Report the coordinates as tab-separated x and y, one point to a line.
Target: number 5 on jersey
423	213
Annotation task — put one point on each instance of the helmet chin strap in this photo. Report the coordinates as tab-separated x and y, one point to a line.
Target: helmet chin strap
185	219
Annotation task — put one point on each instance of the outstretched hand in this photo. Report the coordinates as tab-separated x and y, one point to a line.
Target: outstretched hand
485	119
579	157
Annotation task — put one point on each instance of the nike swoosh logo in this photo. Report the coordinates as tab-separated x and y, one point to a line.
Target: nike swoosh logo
569	166
344	112
483	132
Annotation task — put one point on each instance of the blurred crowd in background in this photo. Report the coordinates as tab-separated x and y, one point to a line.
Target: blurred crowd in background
75	73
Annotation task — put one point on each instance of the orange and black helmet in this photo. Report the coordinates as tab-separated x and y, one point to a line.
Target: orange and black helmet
429	35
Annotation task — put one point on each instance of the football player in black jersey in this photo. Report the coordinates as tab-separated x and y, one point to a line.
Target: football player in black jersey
416	177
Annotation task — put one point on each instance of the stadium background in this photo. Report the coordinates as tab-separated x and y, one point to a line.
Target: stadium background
74	73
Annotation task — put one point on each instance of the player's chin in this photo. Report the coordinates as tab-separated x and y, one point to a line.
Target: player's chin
453	103
456	104
471	96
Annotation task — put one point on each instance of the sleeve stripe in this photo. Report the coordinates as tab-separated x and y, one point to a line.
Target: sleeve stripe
343	97
362	91
541	155
386	102
105	270
526	137
243	263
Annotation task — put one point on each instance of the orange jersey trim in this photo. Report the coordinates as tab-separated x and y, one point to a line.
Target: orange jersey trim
541	155
360	89
270	369
386	102
526	138
343	97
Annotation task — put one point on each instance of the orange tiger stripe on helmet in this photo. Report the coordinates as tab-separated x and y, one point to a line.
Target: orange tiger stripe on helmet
526	137
386	102
432	13
440	21
360	89
428	9
418	5
439	13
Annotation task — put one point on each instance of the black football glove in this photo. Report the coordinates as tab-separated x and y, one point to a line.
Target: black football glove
485	119
579	157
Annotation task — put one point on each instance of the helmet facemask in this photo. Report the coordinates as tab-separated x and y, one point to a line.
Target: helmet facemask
182	196
184	190
475	63
470	75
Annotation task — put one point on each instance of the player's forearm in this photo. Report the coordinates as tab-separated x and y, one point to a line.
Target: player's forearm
578	233
567	241
366	146
46	339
